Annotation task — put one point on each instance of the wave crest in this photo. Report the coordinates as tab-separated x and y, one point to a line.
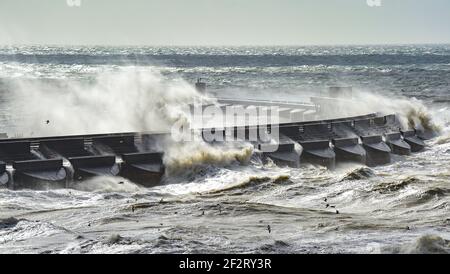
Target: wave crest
427	244
394	186
358	174
187	156
252	181
420	118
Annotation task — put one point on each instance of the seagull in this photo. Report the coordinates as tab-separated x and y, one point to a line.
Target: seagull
47	122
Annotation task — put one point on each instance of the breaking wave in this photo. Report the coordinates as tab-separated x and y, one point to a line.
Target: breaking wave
395	186
420	118
278	246
8	222
252	181
443	139
359	174
18	230
130	99
427	244
106	184
186	156
126	97
412	113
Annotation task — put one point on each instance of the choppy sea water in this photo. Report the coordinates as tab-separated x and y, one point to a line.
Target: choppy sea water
402	207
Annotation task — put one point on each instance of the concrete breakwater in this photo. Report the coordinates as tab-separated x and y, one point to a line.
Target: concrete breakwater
54	162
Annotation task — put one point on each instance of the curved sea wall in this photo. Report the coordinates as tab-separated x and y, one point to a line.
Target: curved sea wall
145	158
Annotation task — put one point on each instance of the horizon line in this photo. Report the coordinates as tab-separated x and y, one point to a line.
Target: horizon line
225	45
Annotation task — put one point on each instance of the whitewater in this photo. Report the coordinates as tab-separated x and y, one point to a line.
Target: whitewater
217	200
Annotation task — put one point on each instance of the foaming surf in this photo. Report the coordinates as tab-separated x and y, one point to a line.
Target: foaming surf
219	198
358	174
106	184
217	180
182	157
426	244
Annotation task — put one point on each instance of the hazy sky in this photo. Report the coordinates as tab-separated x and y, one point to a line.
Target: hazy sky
224	22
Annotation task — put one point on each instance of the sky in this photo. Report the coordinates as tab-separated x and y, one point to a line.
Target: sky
224	22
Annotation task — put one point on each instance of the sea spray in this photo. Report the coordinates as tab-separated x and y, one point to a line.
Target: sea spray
411	112
106	184
181	157
126	100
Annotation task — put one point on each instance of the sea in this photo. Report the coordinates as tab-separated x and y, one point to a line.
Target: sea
224	205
